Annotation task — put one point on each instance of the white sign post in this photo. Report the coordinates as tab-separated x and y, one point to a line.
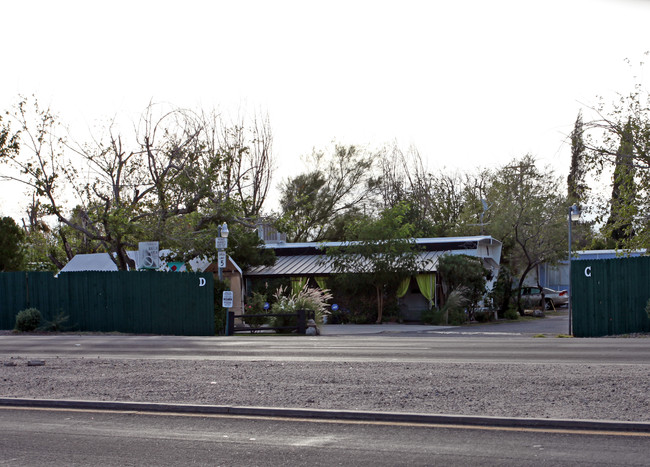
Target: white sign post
228	299
221	259
221	243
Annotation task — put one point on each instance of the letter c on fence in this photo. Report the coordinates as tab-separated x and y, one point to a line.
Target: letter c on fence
588	271
201	281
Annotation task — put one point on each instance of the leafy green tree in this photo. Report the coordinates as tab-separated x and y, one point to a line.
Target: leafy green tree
338	185
42	252
382	253
12	255
42	248
528	214
458	271
247	249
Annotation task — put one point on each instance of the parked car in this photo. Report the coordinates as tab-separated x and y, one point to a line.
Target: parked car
552	298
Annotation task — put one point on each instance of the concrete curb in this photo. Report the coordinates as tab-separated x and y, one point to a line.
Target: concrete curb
348	415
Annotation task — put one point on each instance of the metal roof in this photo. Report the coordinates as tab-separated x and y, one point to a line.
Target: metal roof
309	259
90	262
314	265
418	241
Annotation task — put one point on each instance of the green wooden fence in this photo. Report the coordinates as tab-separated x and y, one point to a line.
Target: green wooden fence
131	302
609	296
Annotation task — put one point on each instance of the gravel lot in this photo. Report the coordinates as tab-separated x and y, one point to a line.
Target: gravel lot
608	392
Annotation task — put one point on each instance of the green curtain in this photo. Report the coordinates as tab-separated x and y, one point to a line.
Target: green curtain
321	281
427	284
403	287
297	283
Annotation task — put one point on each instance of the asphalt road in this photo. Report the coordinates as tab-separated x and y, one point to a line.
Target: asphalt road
68	438
407	347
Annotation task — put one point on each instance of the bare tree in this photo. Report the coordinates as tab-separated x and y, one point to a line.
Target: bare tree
437	200
255	167
173	181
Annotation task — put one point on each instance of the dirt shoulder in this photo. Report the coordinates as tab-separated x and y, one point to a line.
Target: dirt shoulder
574	391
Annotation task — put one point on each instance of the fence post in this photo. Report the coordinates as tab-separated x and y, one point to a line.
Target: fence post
230	323
302	322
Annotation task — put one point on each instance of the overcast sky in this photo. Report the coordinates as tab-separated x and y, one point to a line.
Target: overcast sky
468	83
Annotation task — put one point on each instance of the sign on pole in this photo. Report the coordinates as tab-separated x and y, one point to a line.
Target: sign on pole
221	259
221	243
228	299
148	257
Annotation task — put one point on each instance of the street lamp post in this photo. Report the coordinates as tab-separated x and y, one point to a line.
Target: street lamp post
574	215
227	295
222	244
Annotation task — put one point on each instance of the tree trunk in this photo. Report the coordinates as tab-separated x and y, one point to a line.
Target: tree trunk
521	283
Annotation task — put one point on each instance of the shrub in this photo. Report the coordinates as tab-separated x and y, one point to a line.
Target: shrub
28	320
283	305
363	318
511	313
391	312
57	323
314	300
454	308
457	317
530	304
501	294
467	272
482	316
307	299
433	316
340	316
255	306
219	321
356	296
219	311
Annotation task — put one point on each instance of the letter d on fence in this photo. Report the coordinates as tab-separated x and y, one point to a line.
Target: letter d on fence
201	281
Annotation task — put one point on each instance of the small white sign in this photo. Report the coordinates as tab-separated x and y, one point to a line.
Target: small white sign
227	299
221	243
221	259
148	256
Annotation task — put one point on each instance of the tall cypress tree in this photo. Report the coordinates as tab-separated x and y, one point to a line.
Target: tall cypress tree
619	226
577	187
